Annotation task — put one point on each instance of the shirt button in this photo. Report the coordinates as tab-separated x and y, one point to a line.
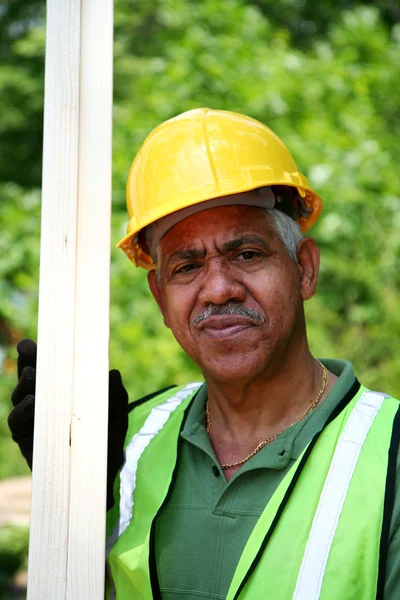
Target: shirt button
216	472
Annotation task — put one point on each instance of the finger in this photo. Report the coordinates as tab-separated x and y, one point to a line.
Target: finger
115	380
25	386
117	392
27	351
20	416
118	401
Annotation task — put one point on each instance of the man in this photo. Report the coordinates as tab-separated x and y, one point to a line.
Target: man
276	477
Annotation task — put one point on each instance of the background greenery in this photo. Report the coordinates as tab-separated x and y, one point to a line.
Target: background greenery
325	76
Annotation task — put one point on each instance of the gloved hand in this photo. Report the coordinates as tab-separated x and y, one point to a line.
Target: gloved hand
21	418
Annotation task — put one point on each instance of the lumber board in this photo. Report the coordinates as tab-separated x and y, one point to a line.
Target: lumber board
66	551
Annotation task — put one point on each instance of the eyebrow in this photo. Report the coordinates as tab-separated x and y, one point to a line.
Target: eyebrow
185	254
192	253
243	241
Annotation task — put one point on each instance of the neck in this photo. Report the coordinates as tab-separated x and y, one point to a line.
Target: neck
243	414
270	395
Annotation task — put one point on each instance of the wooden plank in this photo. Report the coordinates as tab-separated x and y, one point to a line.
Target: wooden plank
89	424
47	569
66	553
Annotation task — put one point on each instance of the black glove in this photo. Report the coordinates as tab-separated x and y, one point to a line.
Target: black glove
21	418
117	428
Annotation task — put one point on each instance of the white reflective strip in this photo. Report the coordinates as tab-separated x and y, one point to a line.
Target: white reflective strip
153	424
333	495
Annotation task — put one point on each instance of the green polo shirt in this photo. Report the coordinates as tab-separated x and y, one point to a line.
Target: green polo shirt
207	521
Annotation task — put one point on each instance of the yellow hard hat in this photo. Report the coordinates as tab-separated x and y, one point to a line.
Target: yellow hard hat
204	154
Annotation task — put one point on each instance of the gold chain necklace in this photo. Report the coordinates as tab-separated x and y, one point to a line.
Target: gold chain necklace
322	388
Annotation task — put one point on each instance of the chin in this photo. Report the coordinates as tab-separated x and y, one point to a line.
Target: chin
232	371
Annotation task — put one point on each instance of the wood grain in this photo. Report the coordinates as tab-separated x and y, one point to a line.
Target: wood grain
66	553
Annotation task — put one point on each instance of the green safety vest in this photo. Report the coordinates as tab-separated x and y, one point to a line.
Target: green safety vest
323	534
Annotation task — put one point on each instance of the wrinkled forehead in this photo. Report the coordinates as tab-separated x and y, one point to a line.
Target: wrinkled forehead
219	228
262	197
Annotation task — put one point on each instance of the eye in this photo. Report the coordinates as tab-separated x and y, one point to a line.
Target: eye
188	268
248	255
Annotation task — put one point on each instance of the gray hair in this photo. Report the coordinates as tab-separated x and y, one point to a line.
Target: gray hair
286	228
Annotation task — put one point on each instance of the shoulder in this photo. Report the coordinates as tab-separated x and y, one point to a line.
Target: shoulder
173	394
155	407
148	397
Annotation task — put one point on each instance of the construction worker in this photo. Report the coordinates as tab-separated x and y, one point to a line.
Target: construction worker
276	478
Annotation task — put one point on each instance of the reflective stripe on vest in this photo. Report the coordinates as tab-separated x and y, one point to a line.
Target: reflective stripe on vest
156	420
333	495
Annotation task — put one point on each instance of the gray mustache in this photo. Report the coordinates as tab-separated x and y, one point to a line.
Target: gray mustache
231	308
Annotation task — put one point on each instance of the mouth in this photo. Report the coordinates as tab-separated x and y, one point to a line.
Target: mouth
226	326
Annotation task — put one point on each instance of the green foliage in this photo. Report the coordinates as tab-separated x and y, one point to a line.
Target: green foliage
19	255
13	553
323	76
21	91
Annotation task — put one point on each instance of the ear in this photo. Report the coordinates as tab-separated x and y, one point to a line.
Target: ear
158	295
308	260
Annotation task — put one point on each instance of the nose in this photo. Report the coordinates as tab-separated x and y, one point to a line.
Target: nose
220	285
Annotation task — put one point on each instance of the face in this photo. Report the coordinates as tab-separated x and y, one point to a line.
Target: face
231	294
